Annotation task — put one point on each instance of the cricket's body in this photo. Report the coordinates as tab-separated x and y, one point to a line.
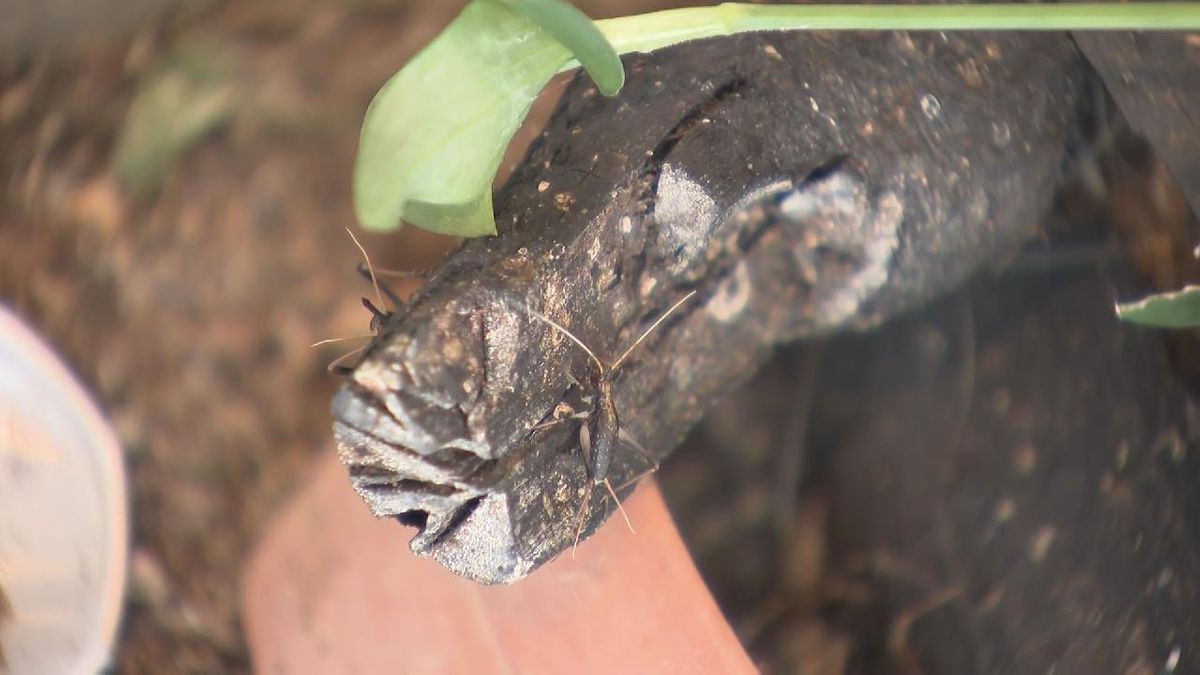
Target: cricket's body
603	427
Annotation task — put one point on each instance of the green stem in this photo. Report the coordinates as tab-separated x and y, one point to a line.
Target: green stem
646	32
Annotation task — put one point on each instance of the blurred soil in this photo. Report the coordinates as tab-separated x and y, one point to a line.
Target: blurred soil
189	309
185	271
172	218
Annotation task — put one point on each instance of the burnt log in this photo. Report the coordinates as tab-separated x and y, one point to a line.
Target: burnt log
800	184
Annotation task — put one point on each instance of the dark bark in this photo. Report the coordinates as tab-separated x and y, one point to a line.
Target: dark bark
1034	476
1003	482
802	184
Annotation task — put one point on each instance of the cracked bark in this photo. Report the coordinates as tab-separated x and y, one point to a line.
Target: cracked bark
801	184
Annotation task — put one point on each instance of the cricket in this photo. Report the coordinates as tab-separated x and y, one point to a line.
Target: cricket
600	430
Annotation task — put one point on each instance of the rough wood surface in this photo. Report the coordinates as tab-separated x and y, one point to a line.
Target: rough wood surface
1002	482
801	184
1025	497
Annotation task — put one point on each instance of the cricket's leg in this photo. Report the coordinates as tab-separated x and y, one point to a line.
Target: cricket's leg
617	500
633	443
553	422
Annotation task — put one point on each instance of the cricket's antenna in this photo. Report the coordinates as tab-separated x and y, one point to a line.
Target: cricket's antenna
403	274
564	331
621	359
583	509
374	280
335	364
327	341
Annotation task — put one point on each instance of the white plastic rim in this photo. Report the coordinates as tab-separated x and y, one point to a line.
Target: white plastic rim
64	522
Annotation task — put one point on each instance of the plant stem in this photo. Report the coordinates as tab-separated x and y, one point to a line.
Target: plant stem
646	32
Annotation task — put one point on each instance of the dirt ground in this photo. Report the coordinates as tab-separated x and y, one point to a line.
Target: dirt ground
185	275
186	287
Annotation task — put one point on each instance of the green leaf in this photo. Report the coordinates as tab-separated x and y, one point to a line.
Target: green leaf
190	95
1178	309
574	30
434	136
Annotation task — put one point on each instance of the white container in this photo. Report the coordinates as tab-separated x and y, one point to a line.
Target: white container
64	533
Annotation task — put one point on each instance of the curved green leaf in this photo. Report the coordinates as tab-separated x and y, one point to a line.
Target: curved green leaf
1179	309
575	31
434	135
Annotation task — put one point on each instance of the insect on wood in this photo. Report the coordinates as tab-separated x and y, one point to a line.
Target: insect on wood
601	430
